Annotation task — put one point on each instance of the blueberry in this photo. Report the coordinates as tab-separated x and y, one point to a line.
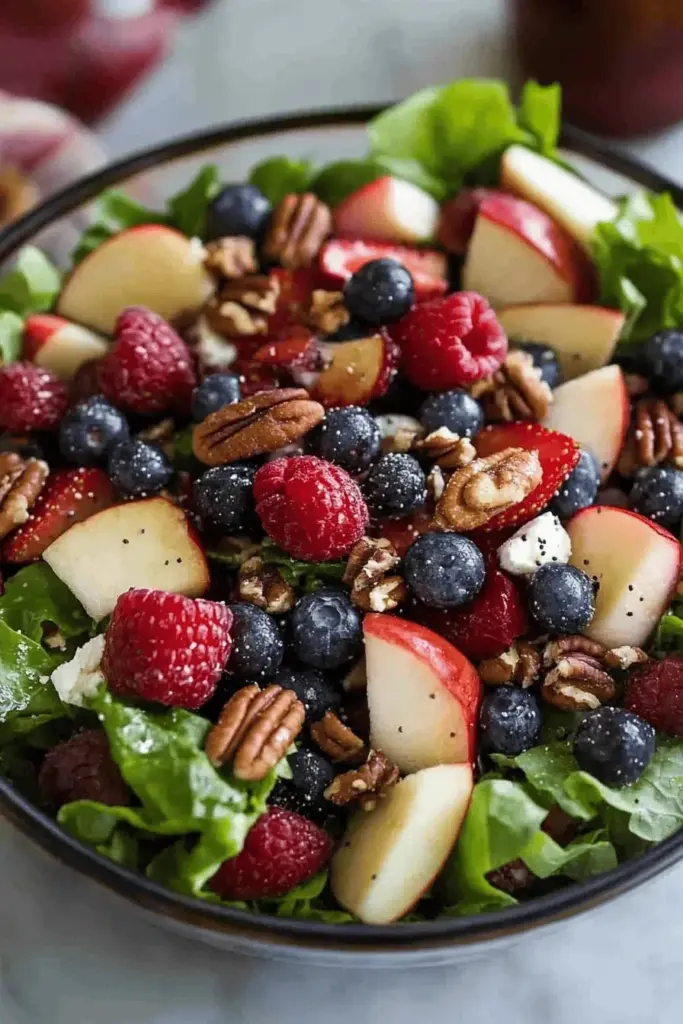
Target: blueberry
349	437
213	393
561	598
509	721
304	792
138	468
223	495
90	429
456	410
326	629
545	359
658	494
396	485
614	745
380	292
444	570
313	690
661	359
579	489
238	210
257	645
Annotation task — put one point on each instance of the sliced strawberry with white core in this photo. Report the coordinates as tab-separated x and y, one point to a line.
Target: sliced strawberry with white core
518	254
388	209
390	857
595	411
636	564
59	345
359	371
340	258
557	453
423	695
583	337
572	202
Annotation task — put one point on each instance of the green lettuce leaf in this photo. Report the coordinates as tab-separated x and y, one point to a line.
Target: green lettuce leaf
36	596
187	209
114	211
303	576
540	113
668	637
31	286
27	697
277	176
310	901
338	180
11	337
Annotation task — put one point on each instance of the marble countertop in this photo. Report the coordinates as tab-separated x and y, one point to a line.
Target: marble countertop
70	953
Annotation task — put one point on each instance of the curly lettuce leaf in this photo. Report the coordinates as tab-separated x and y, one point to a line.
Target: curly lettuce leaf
303	576
11	337
27	697
540	114
278	176
31	286
113	211
187	209
35	597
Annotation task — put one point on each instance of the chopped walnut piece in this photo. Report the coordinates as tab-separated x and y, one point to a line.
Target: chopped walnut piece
242	306
298	227
337	740
556	649
368	574
261	584
578	679
479	491
21	481
625	657
516	391
231	257
365	785
327	312
521	664
655	436
448	450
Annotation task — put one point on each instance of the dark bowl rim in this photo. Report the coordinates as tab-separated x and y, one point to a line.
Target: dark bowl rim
284	932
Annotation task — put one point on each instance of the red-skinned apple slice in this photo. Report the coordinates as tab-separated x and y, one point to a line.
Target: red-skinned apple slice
595	411
573	203
388	209
359	371
340	258
423	695
390	856
60	346
458	217
518	254
637	565
583	337
150	265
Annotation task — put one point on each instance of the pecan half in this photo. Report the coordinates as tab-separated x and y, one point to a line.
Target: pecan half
231	257
447	449
242	306
556	649
365	785
578	683
261	584
479	491
367	572
257	425
327	312
516	391
337	740
521	664
255	729
655	436
21	481
298	227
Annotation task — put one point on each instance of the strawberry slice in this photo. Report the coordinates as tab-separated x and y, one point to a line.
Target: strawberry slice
69	497
294	300
340	258
557	453
297	346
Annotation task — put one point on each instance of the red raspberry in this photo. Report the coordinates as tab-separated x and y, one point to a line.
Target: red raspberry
450	343
82	768
31	398
655	692
312	509
281	851
149	368
166	647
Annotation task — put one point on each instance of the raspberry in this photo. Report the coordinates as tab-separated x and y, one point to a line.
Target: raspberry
31	398
166	647
312	509
450	342
148	369
281	851
82	768
655	693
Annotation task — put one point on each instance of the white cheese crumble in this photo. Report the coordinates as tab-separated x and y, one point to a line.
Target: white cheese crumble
542	540
212	349
80	677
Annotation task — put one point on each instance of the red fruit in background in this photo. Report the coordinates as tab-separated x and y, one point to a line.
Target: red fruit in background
403	530
450	342
655	692
31	398
281	851
340	258
458	215
166	647
557	453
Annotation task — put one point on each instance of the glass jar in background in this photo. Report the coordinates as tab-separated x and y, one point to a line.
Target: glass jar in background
620	62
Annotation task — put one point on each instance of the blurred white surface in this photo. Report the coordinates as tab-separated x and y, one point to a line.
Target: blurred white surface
72	954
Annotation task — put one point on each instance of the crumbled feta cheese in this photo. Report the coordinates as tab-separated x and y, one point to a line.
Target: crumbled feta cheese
212	349
80	677
542	540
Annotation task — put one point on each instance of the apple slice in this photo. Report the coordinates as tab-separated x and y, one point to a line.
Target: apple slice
60	346
595	411
423	695
391	856
637	565
388	209
359	371
572	202
146	544
583	337
518	254
150	265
